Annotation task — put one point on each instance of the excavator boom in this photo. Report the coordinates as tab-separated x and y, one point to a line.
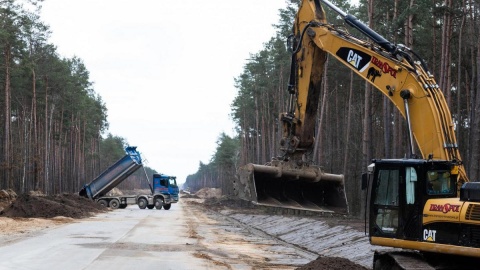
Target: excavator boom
292	179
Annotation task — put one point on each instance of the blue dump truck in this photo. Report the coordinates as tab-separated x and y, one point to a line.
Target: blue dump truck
163	193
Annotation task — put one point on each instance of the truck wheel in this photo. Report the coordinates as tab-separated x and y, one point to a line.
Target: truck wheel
151	206
142	203
167	206
158	203
103	203
114	203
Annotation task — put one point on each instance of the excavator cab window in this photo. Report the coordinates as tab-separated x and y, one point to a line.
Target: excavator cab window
387	200
394	195
440	182
387	187
410	184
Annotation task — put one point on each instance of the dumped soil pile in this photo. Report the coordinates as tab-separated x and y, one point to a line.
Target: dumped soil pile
6	198
228	202
190	196
331	263
213	198
66	205
209	193
115	192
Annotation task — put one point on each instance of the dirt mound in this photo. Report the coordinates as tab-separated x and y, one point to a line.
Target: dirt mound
66	205
228	202
6	198
209	193
190	196
7	195
331	263
36	193
115	192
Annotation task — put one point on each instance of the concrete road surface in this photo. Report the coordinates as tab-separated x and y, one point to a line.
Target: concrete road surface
184	237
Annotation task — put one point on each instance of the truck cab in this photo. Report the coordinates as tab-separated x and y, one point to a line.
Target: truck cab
167	185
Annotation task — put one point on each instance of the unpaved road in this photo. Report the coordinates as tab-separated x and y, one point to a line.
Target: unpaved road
185	237
181	238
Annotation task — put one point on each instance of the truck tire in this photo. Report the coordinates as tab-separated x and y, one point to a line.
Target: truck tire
114	203
142	203
150	206
158	203
167	206
103	203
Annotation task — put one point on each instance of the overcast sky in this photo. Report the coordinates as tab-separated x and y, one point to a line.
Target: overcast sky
165	69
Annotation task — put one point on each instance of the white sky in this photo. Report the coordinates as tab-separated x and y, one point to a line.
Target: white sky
165	69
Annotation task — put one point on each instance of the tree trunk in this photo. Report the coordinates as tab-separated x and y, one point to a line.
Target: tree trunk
47	137
434	40
445	70
475	131
367	120
318	147
458	117
7	153
257	130
352	195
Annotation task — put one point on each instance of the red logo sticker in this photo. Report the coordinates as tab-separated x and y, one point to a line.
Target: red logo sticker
384	66
445	208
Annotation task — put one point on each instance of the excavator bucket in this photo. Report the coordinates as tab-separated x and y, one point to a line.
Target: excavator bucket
278	185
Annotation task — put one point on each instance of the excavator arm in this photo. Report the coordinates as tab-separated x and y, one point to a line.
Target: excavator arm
394	70
292	180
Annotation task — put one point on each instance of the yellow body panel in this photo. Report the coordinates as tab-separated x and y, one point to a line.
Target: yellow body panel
442	210
425	246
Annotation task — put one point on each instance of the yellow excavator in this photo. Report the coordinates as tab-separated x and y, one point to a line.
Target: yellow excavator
424	204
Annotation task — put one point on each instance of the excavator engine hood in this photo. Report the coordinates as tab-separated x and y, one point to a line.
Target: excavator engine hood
280	185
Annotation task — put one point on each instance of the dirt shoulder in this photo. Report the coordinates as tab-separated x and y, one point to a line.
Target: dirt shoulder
337	239
15	229
221	203
27	214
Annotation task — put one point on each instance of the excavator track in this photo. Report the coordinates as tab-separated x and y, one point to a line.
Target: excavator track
413	260
400	260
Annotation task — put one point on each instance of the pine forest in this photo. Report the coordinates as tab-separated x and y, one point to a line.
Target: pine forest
51	118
